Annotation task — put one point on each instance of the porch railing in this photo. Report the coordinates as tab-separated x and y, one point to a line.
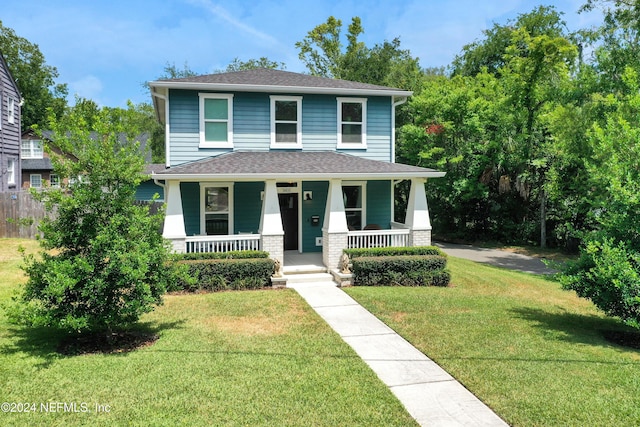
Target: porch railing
235	242
377	238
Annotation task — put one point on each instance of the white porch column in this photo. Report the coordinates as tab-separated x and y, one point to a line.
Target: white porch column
418	214
174	219
271	231
334	229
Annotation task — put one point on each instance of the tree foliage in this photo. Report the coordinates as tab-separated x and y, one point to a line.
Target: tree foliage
34	77
104	261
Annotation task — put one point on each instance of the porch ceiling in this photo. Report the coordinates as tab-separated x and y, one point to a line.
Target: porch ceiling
318	165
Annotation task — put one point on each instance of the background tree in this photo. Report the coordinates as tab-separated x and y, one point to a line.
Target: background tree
252	64
35	79
104	262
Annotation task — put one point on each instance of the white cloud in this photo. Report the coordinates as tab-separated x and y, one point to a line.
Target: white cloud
89	87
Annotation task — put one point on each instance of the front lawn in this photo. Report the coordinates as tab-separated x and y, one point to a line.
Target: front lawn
231	358
533	352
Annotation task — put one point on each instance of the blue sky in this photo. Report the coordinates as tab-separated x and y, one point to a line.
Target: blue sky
105	49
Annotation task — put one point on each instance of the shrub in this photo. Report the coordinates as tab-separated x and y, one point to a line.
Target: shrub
227	274
401	270
221	255
392	251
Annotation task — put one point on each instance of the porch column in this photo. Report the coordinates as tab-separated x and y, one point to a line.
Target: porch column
418	214
271	231
174	218
334	229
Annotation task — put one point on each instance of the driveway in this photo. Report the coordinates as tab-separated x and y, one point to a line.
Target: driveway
498	258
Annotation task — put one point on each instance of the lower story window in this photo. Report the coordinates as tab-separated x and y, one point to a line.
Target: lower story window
216	209
354	207
35	180
54	180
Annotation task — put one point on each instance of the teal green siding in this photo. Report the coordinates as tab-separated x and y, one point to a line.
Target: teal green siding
247	206
252	125
190	192
147	189
310	208
379	203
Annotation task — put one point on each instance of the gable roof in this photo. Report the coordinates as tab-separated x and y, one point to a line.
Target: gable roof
322	165
270	81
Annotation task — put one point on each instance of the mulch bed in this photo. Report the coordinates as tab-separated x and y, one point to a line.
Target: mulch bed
117	342
624	338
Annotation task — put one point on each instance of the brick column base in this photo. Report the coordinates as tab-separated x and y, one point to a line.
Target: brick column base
179	245
274	244
420	238
332	246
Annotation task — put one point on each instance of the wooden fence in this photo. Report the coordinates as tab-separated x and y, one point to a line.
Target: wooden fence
20	214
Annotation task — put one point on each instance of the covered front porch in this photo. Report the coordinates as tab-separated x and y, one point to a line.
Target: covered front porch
303	211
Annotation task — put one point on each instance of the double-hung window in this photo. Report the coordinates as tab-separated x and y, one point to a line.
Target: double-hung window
11	172
31	149
216	212
216	120
286	122
54	180
11	110
354	204
352	123
35	180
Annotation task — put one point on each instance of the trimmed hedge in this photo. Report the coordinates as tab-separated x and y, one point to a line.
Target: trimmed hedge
393	251
227	274
221	255
401	270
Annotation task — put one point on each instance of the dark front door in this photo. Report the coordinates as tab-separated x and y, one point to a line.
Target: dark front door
289	213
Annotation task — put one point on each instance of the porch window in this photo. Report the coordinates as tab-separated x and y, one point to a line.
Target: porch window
286	122
54	180
216	202
216	120
352	123
31	149
35	180
354	205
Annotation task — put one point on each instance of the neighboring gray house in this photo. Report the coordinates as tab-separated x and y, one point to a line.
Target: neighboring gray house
283	161
10	102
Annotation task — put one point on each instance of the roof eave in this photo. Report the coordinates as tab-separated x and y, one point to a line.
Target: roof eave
295	177
219	87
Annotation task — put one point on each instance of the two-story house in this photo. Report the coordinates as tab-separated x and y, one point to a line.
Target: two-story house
10	102
283	161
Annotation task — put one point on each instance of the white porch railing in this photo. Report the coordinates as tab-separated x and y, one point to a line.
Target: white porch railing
235	242
377	238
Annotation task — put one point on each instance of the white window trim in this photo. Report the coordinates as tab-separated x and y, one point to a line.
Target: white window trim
229	121
350	145
298	143
51	178
32	150
31	180
203	214
363	209
11	110
11	172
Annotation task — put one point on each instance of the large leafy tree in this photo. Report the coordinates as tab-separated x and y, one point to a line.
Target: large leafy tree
34	77
104	262
324	53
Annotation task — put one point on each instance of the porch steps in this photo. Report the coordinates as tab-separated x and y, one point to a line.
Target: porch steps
306	278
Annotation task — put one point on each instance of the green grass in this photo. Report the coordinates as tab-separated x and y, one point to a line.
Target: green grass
533	352
232	358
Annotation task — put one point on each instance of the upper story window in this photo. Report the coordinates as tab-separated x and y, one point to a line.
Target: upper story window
352	123
286	122
31	149
216	120
11	110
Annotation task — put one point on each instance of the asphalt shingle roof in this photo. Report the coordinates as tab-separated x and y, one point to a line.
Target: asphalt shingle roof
43	164
260	164
269	77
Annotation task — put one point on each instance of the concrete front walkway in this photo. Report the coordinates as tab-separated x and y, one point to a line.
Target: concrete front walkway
430	395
